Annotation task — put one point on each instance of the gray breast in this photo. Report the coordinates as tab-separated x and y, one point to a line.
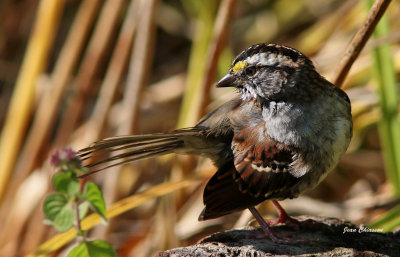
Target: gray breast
320	134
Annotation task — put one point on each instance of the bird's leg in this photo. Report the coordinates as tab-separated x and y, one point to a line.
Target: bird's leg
284	218
270	233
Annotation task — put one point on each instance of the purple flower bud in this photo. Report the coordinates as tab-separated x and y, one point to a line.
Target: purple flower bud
63	155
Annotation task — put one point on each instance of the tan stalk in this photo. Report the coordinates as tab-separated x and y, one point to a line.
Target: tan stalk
140	62
87	71
35	60
358	42
220	36
48	108
114	73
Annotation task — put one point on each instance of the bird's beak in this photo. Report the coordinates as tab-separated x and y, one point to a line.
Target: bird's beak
228	81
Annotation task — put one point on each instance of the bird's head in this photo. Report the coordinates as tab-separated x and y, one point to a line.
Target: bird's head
267	72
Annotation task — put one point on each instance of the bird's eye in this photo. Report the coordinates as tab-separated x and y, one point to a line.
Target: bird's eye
251	71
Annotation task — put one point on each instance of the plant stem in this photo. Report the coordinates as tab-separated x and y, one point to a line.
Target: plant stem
80	232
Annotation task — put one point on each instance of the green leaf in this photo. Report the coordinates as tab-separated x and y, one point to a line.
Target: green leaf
83	209
97	248
77	171
65	218
124	205
66	182
73	188
53	205
95	197
61	181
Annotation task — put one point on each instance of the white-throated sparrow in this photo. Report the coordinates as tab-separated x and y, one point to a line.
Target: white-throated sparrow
286	130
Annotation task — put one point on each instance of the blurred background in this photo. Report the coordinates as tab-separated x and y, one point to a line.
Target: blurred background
73	72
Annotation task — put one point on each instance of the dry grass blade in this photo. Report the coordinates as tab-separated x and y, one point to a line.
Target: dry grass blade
139	67
220	36
114	73
33	65
359	40
138	73
48	108
114	210
311	40
190	108
87	71
52	98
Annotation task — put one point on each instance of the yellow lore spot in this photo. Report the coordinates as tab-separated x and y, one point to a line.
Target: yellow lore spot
239	66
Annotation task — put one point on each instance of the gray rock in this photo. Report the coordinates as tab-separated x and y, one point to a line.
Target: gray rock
329	237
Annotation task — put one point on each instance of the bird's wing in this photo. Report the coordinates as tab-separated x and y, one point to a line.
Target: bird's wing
222	195
262	164
258	171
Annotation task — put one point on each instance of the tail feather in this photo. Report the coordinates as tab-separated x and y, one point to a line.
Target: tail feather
98	148
119	150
